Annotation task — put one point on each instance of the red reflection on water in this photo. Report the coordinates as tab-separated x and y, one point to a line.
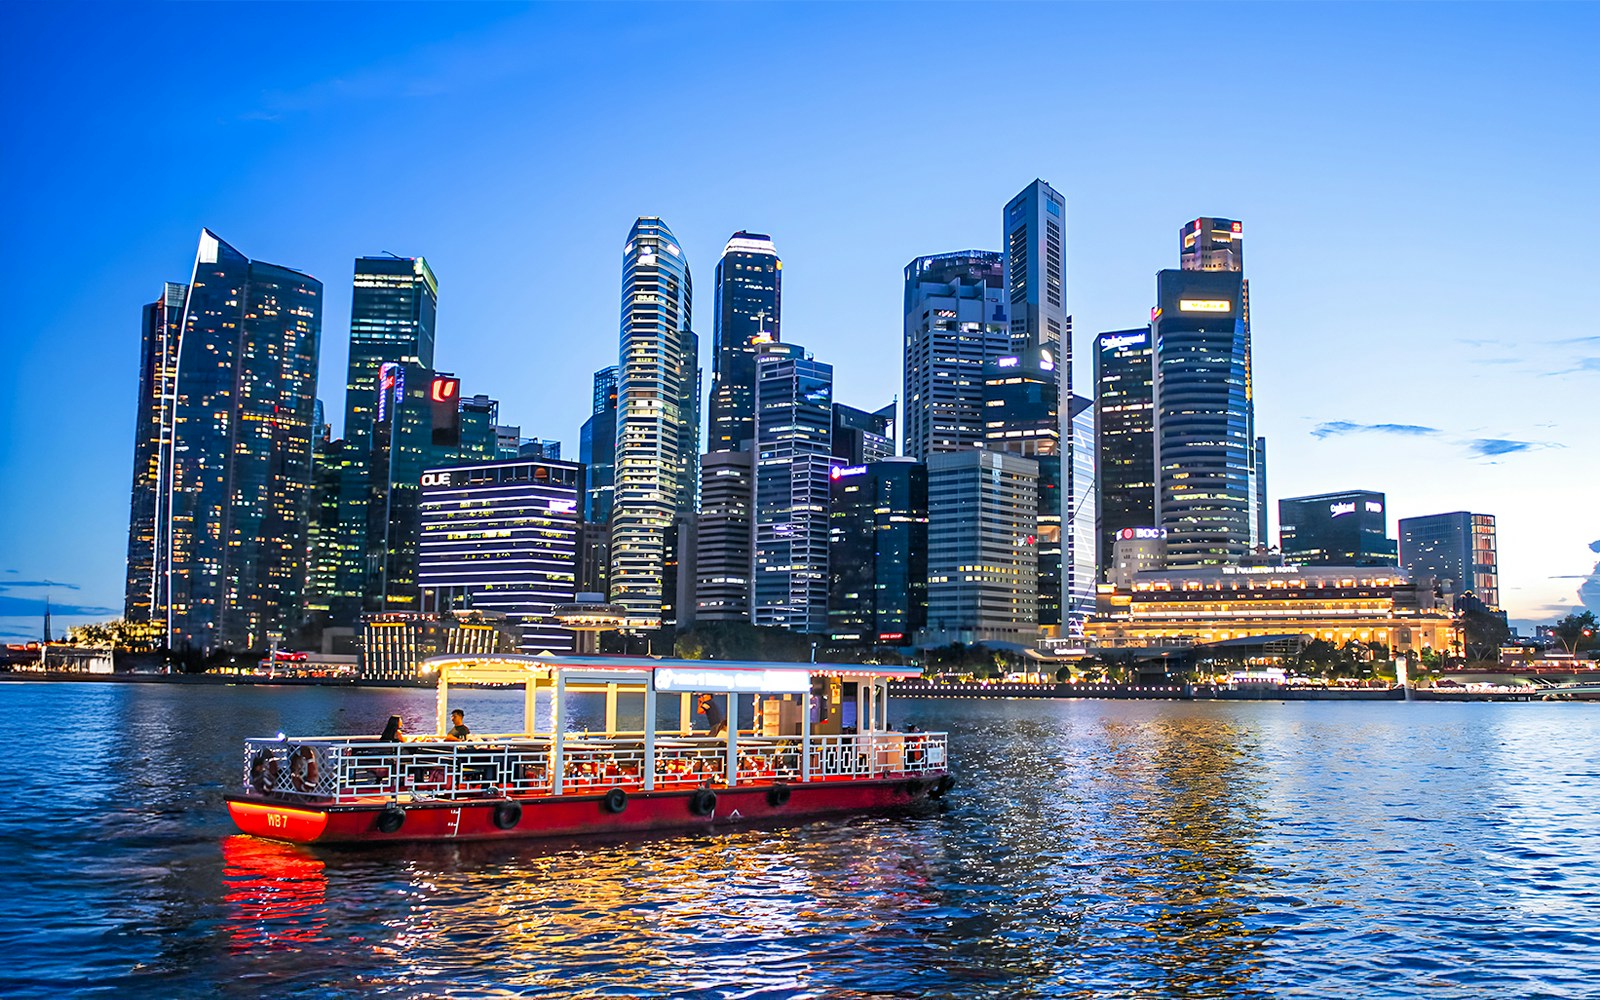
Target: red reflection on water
276	894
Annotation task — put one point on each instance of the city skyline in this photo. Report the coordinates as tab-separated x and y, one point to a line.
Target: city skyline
1401	369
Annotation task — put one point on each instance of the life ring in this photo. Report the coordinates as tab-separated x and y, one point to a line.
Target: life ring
303	771
778	796
614	801
507	815
703	802
391	819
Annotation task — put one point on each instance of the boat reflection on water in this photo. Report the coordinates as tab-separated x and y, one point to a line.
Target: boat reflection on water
275	895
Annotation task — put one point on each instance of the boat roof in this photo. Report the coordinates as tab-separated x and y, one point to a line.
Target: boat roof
674	675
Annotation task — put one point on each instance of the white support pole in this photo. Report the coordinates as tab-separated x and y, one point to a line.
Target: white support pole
861	717
530	704
733	739
685	714
805	737
441	703
558	725
611	710
650	733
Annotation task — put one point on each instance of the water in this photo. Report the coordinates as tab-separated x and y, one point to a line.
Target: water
1116	849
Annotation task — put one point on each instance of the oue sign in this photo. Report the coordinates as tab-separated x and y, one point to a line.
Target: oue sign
436	479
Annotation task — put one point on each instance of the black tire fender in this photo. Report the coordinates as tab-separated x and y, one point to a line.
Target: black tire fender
391	819
703	802
778	796
614	801
507	815
944	784
914	787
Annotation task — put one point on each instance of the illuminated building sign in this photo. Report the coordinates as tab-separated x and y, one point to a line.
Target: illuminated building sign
1125	340
840	471
1204	305
1341	509
436	479
1238	227
885	636
675	679
1129	534
446	412
1373	507
1008	362
562	506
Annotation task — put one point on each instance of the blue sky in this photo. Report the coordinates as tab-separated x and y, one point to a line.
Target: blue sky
1417	185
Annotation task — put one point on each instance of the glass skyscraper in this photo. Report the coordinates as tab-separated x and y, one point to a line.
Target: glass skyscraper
1022	416
145	598
794	456
658	417
1459	547
597	448
878	552
983	568
240	486
1350	528
749	312
1124	413
1035	230
1080	572
955	322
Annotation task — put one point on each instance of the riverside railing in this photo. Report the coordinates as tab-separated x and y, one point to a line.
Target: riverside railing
344	770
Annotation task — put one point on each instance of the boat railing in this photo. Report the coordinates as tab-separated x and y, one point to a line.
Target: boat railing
341	769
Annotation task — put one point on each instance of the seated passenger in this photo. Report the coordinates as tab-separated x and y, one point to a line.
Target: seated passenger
458	727
393	732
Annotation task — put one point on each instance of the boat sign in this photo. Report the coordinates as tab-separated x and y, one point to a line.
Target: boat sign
748	681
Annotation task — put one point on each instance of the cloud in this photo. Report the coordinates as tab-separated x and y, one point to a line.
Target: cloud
1336	427
1495	447
22	607
8	584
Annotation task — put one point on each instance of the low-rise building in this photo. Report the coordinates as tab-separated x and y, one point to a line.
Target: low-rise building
1379	606
394	643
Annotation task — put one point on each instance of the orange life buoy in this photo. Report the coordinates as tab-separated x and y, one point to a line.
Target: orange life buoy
303	769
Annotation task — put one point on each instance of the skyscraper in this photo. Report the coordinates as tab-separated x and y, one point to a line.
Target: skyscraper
1022	396
1212	245
393	306
658	417
1349	528
727	511
1205	441
955	322
597	449
794	456
749	304
983	509
1124	376
502	536
878	552
1080	567
240	486
860	437
1035	230
1459	548
145	598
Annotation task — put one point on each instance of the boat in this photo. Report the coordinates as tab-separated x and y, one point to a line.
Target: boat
816	741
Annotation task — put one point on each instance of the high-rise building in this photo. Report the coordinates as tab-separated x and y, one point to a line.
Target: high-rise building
1205	442
1124	378
1261	492
727	511
503	536
860	437
1035	230
749	304
1349	528
1458	550
794	456
1212	245
240	487
1080	564
597	448
878	552
955	323
658	417
323	558
1022	415
145	599
983	509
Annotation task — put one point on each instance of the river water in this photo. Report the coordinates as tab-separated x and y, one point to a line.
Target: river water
1091	848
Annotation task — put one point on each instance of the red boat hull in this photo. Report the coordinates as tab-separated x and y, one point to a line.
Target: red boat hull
571	815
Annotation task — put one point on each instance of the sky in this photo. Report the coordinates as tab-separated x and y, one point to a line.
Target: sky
1417	185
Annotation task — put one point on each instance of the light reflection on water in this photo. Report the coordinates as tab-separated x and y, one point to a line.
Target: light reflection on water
1091	849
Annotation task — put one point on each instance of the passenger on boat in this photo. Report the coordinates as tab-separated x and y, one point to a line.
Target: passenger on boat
393	731
706	705
458	727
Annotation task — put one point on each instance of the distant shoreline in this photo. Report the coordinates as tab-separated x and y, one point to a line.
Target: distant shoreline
1000	689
